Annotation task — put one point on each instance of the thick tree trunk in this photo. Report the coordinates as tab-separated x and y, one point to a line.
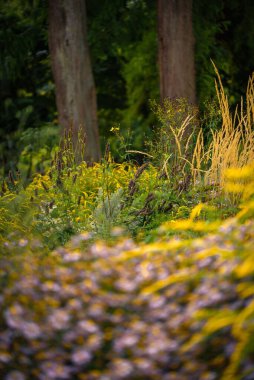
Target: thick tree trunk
75	89
176	49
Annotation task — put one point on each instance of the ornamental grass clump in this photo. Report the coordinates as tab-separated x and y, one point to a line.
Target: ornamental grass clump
180	150
232	145
173	309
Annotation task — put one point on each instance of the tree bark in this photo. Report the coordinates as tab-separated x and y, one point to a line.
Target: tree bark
72	72
176	49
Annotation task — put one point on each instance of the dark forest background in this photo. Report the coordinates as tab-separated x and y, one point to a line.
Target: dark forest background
122	37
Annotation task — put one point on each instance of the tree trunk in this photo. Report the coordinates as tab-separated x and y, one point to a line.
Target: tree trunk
71	65
176	49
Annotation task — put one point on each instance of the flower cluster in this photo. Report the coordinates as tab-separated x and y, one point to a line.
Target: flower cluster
173	309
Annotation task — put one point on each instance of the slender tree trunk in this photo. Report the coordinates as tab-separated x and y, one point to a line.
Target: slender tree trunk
176	49
71	65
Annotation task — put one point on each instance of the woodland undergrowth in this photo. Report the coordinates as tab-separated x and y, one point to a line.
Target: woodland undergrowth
125	271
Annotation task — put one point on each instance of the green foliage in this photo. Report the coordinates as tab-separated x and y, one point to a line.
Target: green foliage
139	70
207	45
26	88
123	43
38	146
174	307
224	33
67	199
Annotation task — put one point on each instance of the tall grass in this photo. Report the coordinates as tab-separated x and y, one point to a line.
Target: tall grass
180	149
173	145
232	145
